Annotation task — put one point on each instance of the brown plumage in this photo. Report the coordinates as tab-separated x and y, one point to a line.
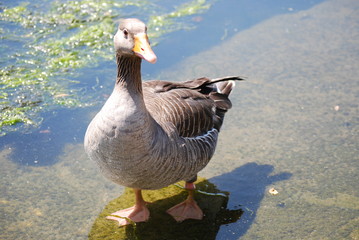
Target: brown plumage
194	107
152	134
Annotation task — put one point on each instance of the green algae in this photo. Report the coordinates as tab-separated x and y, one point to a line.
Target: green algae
161	225
158	25
55	43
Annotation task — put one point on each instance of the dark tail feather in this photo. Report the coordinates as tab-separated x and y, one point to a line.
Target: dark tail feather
204	85
235	78
226	84
220	96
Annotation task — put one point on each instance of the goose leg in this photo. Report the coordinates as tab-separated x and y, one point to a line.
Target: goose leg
187	209
138	213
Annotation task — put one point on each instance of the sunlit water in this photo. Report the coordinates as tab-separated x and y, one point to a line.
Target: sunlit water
293	127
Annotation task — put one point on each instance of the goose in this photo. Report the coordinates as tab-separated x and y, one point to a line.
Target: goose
152	134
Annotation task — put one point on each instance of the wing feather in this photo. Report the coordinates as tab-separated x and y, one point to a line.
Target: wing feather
193	107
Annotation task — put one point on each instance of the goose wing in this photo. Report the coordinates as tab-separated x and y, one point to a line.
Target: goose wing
194	107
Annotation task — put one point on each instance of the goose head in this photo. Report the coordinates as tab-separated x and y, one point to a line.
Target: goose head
131	40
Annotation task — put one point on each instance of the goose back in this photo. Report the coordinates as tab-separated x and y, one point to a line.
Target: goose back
194	107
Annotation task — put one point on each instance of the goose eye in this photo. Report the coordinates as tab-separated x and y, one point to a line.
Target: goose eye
125	32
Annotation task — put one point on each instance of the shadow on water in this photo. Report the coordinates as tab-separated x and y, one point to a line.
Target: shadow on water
247	185
223	219
163	226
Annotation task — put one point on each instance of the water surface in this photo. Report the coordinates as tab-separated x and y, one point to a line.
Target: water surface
293	127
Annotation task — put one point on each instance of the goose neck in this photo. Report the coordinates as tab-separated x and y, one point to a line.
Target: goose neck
129	73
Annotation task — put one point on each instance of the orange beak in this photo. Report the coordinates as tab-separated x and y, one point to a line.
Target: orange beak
142	48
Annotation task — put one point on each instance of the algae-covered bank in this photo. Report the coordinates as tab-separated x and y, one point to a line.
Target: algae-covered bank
161	225
288	150
44	46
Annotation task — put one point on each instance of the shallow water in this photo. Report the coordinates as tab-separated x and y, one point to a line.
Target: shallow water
293	127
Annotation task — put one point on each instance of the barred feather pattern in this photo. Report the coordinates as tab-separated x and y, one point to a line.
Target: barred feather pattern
154	134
